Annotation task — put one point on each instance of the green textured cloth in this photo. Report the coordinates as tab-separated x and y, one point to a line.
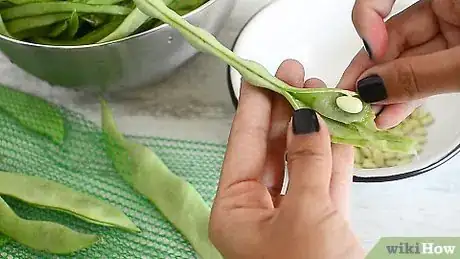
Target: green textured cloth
80	162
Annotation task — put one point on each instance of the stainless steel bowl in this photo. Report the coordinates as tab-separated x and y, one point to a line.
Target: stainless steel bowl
138	60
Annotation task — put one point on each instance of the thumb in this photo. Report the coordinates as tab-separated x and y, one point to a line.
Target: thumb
308	154
368	19
411	78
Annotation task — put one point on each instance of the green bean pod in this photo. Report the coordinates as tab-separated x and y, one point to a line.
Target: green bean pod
74	24
3	29
34	9
33	113
178	200
34	32
42	235
23	2
27	23
52	195
58	29
133	21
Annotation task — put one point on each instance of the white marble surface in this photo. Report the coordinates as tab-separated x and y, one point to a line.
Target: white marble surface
197	97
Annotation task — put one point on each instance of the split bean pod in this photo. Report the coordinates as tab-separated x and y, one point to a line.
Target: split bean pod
52	195
42	235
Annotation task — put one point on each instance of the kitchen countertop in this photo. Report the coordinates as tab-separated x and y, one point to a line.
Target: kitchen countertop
197	97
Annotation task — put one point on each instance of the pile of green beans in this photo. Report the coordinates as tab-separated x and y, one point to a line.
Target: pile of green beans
414	126
79	22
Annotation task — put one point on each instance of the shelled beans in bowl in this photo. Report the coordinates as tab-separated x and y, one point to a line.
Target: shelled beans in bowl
414	126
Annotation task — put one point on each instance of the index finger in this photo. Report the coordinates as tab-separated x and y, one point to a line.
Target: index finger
247	145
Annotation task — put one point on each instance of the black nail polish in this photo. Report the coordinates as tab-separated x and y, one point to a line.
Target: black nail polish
372	89
367	48
305	121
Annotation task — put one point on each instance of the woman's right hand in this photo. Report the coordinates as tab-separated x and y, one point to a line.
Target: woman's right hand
415	54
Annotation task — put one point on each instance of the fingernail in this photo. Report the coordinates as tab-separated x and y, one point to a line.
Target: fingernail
305	121
372	89
367	48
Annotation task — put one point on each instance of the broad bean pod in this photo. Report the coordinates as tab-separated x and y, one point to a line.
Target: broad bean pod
52	195
33	113
174	197
42	235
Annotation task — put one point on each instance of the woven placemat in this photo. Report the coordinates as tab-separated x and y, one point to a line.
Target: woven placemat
81	163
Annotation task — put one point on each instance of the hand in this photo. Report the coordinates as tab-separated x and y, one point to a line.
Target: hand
414	55
250	219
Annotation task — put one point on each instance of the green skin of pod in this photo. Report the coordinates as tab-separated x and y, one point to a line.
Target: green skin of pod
74	24
43	113
51	195
58	29
27	23
42	235
177	200
60	7
133	21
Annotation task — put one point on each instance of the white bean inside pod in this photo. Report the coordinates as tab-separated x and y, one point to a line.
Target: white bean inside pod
349	104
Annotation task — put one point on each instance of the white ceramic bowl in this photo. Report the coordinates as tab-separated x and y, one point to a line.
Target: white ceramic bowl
320	34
